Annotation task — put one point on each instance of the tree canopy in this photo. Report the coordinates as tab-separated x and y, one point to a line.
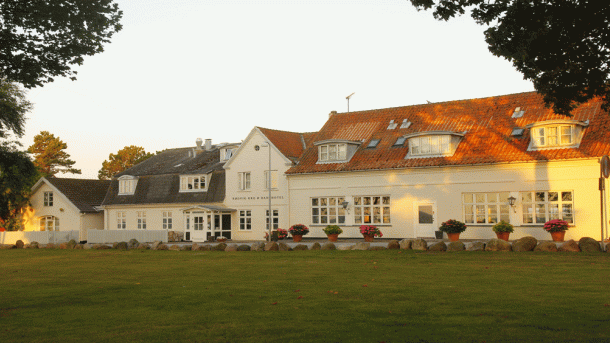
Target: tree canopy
13	107
124	159
42	39
49	155
562	46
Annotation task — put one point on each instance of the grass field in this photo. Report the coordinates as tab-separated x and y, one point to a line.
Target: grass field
325	296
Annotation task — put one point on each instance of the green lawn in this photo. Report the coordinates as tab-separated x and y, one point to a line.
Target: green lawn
325	296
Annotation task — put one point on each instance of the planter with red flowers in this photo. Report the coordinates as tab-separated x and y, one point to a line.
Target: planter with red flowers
453	228
298	231
369	232
557	228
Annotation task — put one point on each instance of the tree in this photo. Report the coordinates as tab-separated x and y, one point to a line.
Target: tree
49	155
13	107
124	159
41	39
562	46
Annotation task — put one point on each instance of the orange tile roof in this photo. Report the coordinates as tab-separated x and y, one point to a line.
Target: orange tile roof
487	123
291	144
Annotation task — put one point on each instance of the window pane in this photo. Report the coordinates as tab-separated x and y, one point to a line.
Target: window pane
468	198
480	198
566	196
425	214
314	201
492	197
553	196
539	196
540	213
526	197
357	200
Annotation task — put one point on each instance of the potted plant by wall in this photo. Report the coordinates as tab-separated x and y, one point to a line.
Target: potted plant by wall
221	239
453	228
298	231
333	232
557	228
282	234
503	230
369	232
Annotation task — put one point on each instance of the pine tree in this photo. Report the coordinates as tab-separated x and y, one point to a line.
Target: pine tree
49	155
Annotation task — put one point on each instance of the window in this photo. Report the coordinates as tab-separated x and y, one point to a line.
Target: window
49	223
127	185
245	220
243	180
275	219
193	183
553	136
372	210
167	221
486	208
141	220
273	179
48	199
430	145
332	152
327	210
198	223
373	143
400	141
121	221
542	206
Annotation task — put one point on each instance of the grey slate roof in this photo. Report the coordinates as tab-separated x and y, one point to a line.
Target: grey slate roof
83	193
159	178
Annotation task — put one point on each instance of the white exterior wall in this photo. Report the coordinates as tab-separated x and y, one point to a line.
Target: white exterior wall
154	216
247	159
69	216
444	186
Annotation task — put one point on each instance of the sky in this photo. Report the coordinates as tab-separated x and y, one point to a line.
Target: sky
184	69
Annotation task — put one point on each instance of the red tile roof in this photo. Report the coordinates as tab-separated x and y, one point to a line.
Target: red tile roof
487	124
291	144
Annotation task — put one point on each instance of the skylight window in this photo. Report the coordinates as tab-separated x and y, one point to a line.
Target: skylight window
392	125
373	143
400	141
518	113
405	124
517	131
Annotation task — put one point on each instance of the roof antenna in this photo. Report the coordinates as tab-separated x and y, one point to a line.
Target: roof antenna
347	97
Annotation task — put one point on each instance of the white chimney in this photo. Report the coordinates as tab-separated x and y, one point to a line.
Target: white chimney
208	144
199	141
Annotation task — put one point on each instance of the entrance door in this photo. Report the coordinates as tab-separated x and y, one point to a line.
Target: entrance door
198	224
425	219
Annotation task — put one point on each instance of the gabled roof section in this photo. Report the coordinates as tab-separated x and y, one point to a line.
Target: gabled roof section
290	144
178	161
486	125
84	194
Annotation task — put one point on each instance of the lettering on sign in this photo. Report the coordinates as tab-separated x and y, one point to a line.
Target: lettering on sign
277	197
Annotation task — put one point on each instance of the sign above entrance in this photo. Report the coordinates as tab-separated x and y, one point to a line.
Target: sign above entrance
277	197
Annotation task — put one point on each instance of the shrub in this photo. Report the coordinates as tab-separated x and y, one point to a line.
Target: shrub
503	226
333	230
453	226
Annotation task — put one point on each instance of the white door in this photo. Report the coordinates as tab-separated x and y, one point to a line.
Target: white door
198	233
425	219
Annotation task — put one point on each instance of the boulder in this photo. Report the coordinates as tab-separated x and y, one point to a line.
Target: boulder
588	244
220	247
205	247
328	246
132	244
405	244
185	248
476	246
569	246
120	246
527	243
377	247
497	245
71	244
316	246
143	246
393	244
32	245
87	246
438	246
231	247
258	246
345	247
272	246
419	244
19	244
195	247
63	246
155	245
456	246
362	246
243	247
8	246
300	247
162	247
284	247
101	247
174	247
546	246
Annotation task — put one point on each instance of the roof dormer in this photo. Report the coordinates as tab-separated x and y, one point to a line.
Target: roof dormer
336	150
556	134
127	184
433	144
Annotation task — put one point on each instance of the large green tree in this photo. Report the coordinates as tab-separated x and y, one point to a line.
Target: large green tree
50	157
125	158
42	39
13	107
562	46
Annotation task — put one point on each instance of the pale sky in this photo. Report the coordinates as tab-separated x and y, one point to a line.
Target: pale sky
184	69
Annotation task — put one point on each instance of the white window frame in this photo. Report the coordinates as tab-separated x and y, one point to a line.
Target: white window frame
332	152
275	218
141	215
168	221
244	181
127	185
480	208
48	199
430	145
538	207
245	220
328	211
372	209
49	223
552	136
121	221
274	179
193	183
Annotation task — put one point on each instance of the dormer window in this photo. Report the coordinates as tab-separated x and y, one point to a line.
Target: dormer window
555	134
127	185
193	183
336	151
433	144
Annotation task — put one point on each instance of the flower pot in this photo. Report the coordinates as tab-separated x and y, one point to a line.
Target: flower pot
438	234
503	235
297	238
558	236
333	237
221	240
453	236
368	238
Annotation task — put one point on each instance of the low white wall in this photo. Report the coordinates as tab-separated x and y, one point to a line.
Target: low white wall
111	236
42	237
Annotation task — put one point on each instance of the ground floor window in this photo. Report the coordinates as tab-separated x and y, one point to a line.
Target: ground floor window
167	221
327	210
121	221
245	220
142	220
49	223
486	208
542	206
275	218
372	210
